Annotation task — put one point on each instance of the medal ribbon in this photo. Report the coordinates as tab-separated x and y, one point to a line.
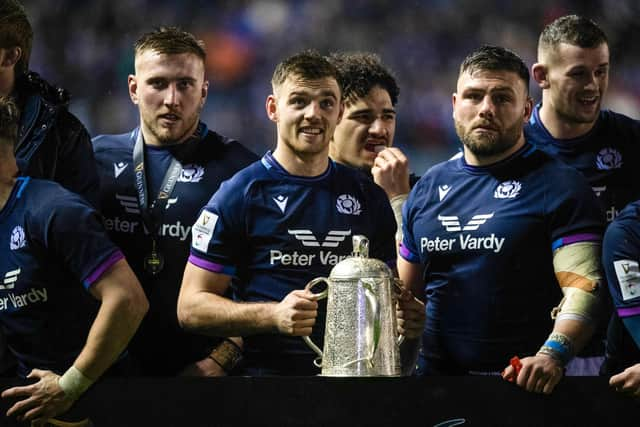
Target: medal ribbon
150	212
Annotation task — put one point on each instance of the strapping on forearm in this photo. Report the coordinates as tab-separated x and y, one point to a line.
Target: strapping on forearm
73	382
577	268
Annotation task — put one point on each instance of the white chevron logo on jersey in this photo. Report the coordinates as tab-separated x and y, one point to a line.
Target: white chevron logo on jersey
332	240
452	223
10	279
281	201
118	168
443	190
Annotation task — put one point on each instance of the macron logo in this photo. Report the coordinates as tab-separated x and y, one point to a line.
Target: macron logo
452	223
10	279
281	201
333	239
443	190
118	168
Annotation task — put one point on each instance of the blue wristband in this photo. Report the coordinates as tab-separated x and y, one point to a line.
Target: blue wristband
559	347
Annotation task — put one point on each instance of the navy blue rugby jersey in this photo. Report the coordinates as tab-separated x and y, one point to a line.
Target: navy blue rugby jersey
621	258
485	236
608	156
275	232
161	346
52	244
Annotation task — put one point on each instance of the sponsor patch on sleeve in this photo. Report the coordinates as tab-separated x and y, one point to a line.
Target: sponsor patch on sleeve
628	275
202	230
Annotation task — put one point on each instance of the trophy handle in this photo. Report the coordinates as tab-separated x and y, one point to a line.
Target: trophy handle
373	320
397	288
319	296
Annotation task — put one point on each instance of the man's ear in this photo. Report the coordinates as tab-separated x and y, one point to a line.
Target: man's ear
132	82
528	109
205	91
540	74
10	57
272	108
453	105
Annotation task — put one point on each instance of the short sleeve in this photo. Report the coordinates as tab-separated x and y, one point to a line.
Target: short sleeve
621	257
72	232
574	212
218	233
408	248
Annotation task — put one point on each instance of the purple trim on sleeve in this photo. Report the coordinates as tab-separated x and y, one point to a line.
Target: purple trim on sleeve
576	238
211	266
98	272
408	255
628	312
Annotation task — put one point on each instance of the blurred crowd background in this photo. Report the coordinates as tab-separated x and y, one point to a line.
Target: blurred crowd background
86	47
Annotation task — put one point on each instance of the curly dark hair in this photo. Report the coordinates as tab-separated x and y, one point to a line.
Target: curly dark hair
359	72
16	31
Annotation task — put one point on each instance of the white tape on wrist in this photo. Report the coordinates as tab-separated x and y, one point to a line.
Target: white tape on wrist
74	382
397	203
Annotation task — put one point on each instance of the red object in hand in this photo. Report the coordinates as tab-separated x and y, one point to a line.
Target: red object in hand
515	362
517	366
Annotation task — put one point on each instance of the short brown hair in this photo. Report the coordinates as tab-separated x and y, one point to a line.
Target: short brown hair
9	119
16	31
170	41
307	64
495	58
571	29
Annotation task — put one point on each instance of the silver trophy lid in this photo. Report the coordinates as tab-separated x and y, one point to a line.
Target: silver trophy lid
359	265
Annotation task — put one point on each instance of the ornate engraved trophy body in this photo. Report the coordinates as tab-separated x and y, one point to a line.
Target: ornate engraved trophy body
360	332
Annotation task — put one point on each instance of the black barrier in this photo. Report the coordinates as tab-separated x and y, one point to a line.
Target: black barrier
318	401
